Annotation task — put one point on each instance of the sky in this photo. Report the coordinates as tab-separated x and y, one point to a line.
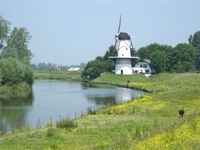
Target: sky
71	32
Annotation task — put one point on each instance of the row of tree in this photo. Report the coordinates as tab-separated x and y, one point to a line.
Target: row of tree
101	64
14	55
50	66
183	57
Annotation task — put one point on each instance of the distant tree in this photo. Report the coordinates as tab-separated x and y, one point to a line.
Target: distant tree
17	46
82	65
194	40
34	66
158	61
182	58
145	52
93	69
197	59
4	30
42	66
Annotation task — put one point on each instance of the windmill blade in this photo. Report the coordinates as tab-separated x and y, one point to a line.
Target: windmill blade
119	24
118	32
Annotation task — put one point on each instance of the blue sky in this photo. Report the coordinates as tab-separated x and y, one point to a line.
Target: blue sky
67	32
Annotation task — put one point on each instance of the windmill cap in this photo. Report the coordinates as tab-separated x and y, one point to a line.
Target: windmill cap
123	36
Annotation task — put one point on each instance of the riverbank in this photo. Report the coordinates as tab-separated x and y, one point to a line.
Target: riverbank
18	90
151	122
58	75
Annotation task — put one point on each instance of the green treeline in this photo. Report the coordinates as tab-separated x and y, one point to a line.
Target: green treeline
15	69
182	58
49	66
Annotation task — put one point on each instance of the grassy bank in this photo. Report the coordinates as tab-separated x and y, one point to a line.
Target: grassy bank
58	75
151	122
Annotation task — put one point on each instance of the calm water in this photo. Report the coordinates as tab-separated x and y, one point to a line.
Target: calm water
59	99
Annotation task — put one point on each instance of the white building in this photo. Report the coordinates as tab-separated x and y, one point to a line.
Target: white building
73	69
123	58
142	66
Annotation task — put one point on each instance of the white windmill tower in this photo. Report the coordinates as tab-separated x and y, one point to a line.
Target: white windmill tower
123	58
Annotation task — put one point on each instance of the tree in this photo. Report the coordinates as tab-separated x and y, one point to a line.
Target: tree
13	72
93	69
110	52
158	61
17	46
194	40
145	52
197	59
4	30
182	58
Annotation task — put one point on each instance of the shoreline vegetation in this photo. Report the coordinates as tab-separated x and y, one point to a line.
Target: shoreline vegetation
23	89
20	90
149	122
58	75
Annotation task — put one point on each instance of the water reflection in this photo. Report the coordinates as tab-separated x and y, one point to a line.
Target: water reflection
52	99
13	112
110	95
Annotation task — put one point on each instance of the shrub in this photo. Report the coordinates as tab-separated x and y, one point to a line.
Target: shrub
91	111
13	72
65	123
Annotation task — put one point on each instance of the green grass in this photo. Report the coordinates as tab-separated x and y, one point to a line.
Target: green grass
150	122
58	75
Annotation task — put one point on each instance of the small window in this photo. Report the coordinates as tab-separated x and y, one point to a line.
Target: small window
144	65
140	65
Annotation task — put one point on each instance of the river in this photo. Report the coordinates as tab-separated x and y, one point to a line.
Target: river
54	100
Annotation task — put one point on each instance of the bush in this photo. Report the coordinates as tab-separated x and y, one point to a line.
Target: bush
65	123
13	72
91	111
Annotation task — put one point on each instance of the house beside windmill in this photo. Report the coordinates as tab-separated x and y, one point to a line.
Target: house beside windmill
142	66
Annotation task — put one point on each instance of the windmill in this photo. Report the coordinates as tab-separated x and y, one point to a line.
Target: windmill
116	36
123	46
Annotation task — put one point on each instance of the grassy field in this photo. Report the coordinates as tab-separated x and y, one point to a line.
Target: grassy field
58	75
150	122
